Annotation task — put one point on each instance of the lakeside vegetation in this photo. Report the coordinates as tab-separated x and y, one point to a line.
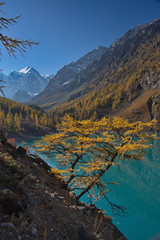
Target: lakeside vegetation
87	149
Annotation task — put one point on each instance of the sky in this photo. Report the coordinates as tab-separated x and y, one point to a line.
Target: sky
68	29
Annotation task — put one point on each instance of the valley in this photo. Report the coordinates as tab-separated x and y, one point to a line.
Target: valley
100	104
121	77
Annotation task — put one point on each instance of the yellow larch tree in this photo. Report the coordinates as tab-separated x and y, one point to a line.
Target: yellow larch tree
17	122
36	120
86	150
9	119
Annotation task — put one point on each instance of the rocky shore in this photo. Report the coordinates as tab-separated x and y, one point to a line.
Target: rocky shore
36	204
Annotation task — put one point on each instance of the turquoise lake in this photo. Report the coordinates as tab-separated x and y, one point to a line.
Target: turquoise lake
138	191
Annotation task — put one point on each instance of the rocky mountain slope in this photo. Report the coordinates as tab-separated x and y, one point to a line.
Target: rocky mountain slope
125	80
24	84
36	204
56	91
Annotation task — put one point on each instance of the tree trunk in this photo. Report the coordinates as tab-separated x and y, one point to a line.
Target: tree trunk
72	169
102	172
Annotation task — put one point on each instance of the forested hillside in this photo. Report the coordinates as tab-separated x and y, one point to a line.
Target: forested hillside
124	81
19	118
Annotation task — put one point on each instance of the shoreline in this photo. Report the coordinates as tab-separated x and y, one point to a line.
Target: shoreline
23	136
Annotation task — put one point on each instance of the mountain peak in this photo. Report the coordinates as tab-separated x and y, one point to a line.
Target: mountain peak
26	80
25	70
28	70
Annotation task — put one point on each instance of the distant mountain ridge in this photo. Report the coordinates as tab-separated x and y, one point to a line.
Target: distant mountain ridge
68	85
55	92
24	84
124	80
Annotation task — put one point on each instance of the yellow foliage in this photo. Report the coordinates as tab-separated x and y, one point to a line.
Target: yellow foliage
86	149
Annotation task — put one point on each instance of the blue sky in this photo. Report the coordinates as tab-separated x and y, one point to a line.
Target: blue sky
68	29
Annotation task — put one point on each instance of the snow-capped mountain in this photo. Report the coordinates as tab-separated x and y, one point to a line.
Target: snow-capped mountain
48	76
24	84
65	76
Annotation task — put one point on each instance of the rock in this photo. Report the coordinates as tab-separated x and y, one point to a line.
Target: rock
33	231
37	206
9	226
21	150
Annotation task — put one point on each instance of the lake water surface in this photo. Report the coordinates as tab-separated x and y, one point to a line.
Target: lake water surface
138	191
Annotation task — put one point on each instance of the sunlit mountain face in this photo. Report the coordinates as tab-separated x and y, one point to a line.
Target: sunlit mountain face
123	81
62	83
